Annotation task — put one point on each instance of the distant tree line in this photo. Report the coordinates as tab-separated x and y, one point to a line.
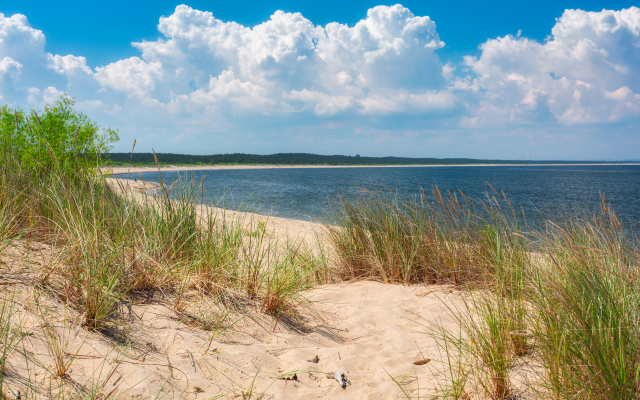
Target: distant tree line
296	159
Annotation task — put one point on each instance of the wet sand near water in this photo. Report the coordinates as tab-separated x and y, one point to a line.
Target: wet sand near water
138	170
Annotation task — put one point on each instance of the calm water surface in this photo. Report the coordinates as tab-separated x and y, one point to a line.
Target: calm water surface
307	193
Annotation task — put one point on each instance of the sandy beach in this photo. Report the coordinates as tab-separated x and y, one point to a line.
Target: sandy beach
371	333
317	200
367	330
137	170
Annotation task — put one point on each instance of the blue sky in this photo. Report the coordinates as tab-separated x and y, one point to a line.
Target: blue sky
554	80
103	31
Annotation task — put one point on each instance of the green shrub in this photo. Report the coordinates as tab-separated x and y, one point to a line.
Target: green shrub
59	134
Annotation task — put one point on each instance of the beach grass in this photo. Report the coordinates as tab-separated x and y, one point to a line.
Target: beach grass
586	308
560	300
111	245
565	296
404	239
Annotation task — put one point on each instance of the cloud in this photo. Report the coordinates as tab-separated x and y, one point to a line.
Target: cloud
131	75
9	74
10	67
68	64
569	78
204	75
18	39
20	48
289	64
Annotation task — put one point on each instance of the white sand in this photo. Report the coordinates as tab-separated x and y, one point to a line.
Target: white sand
137	170
367	330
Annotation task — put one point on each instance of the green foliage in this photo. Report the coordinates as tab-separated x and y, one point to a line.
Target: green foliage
57	135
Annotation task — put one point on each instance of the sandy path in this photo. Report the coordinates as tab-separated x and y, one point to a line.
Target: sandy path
137	170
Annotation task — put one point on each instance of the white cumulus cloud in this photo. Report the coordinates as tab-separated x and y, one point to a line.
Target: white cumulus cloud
288	63
203	74
9	66
68	64
131	75
18	39
586	72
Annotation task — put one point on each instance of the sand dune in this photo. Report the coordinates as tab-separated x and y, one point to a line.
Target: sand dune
367	330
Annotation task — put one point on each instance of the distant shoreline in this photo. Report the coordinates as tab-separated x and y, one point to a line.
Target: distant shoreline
136	170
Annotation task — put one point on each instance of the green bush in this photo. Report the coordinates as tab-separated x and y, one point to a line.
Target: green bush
59	135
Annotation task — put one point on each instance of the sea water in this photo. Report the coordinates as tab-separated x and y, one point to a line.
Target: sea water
310	193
